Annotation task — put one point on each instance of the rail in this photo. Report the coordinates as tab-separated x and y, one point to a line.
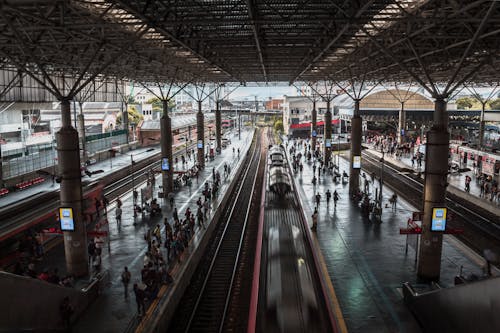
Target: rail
205	305
412	191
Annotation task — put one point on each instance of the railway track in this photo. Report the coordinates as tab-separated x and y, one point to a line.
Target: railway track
217	298
481	228
17	215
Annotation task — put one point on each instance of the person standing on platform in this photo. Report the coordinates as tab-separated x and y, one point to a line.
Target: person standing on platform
126	280
118	213
393	200
97	203
175	215
315	219
335	198
105	203
318	199
139	299
91	251
467	183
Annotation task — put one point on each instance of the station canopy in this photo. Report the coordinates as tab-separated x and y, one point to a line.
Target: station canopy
253	40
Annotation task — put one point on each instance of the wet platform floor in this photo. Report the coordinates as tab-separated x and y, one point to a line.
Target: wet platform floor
112	312
366	261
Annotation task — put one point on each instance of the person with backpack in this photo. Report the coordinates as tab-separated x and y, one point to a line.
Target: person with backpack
126	280
335	198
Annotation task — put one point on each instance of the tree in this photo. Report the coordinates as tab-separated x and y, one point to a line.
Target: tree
158	104
465	103
278	125
495	104
133	116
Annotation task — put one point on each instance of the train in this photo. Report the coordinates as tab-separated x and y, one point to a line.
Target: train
290	288
14	245
483	162
292	296
279	177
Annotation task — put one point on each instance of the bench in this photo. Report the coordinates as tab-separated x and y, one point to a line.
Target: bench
28	183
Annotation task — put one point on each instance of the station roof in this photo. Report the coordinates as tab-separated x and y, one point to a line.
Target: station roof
178	121
253	40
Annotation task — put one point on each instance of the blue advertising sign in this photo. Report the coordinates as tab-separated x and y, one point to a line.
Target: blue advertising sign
165	166
314	133
356	162
66	219
200	144
438	219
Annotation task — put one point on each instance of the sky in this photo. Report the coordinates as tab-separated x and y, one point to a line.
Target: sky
263	93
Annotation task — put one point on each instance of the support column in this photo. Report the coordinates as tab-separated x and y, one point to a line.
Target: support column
201	137
1	168
481	127
314	127
166	150
356	133
75	242
81	134
218	126
125	121
436	176
402	124
327	132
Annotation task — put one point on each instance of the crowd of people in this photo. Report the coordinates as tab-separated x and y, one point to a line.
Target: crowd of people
166	245
47	275
488	187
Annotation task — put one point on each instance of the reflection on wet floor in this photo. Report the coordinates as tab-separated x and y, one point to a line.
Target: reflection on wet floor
367	261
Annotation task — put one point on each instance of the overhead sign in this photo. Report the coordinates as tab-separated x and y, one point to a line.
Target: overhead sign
438	219
356	162
165	166
66	219
417	216
200	144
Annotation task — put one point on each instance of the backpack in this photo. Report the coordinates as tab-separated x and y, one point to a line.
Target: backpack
125	277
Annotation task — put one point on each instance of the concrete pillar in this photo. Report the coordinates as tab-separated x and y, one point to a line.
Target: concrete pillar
218	126
356	132
81	135
402	124
314	127
201	137
239	126
124	107
75	242
1	168
481	127
166	150
327	136
436	175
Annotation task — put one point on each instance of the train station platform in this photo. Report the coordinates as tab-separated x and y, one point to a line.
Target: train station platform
366	261
101	169
112	312
456	181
